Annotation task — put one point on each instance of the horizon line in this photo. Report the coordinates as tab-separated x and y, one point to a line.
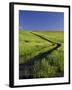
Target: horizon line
41	30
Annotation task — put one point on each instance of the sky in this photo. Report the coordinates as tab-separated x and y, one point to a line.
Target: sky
41	20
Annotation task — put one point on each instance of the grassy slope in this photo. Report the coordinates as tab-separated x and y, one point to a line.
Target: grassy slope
30	45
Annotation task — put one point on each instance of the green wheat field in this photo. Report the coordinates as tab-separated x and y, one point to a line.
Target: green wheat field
41	54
